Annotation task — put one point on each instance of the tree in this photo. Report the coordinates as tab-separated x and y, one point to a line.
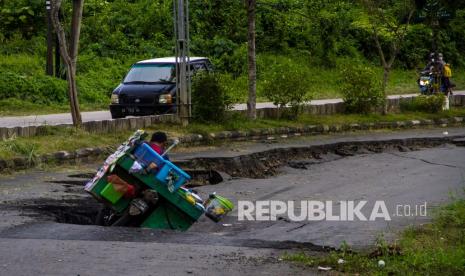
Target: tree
69	51
252	63
389	21
287	85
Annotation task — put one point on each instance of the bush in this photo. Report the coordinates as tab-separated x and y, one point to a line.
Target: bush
22	77
361	89
234	63
287	84
37	89
208	98
429	104
235	89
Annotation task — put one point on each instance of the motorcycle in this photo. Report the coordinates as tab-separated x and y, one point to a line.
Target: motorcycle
429	83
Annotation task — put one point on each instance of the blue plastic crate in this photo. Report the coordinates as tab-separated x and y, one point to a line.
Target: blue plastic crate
146	155
169	170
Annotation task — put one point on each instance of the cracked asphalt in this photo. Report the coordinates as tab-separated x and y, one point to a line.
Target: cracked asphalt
32	242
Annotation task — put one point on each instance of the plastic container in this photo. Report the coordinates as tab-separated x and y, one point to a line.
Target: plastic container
146	155
172	175
110	194
217	207
187	195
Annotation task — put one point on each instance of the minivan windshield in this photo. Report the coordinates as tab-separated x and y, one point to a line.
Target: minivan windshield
151	73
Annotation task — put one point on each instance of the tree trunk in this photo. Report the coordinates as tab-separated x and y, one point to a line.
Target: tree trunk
384	87
69	54
72	93
252	66
78	6
71	84
76	20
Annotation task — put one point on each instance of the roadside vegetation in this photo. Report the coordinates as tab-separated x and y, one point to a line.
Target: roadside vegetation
58	138
25	89
362	90
317	38
437	248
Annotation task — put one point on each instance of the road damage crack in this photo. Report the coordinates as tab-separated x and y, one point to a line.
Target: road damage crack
266	163
297	227
426	161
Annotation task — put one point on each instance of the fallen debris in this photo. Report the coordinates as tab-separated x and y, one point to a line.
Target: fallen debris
324	268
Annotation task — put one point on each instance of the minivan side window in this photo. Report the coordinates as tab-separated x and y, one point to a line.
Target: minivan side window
208	65
199	67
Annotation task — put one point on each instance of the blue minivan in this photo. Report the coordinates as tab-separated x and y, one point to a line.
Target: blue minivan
150	87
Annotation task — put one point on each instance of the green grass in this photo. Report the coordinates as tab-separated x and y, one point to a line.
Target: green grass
392	117
57	139
433	249
25	90
65	139
325	84
239	123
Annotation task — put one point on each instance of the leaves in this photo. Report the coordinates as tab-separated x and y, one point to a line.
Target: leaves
327	30
287	83
17	15
361	89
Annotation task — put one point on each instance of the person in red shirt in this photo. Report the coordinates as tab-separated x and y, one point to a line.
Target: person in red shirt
158	143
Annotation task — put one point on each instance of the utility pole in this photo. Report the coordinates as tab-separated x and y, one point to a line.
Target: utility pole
49	62
183	74
251	60
58	73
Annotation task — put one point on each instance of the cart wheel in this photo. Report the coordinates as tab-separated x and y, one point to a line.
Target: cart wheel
104	217
123	220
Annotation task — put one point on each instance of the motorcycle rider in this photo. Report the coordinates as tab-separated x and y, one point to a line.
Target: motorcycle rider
430	63
441	58
435	69
435	63
441	63
447	74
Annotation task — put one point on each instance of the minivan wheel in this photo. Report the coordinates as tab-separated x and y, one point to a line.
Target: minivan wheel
117	115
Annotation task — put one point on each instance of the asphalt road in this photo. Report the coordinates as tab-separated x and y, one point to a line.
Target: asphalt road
65	118
33	243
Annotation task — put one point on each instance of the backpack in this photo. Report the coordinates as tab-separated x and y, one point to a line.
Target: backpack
447	71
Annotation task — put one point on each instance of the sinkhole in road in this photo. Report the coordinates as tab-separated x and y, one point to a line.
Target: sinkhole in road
82	211
85	210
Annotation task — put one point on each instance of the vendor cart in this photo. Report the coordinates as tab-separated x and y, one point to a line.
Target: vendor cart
158	199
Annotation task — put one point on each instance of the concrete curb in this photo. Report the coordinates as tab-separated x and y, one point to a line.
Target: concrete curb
93	154
104	126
